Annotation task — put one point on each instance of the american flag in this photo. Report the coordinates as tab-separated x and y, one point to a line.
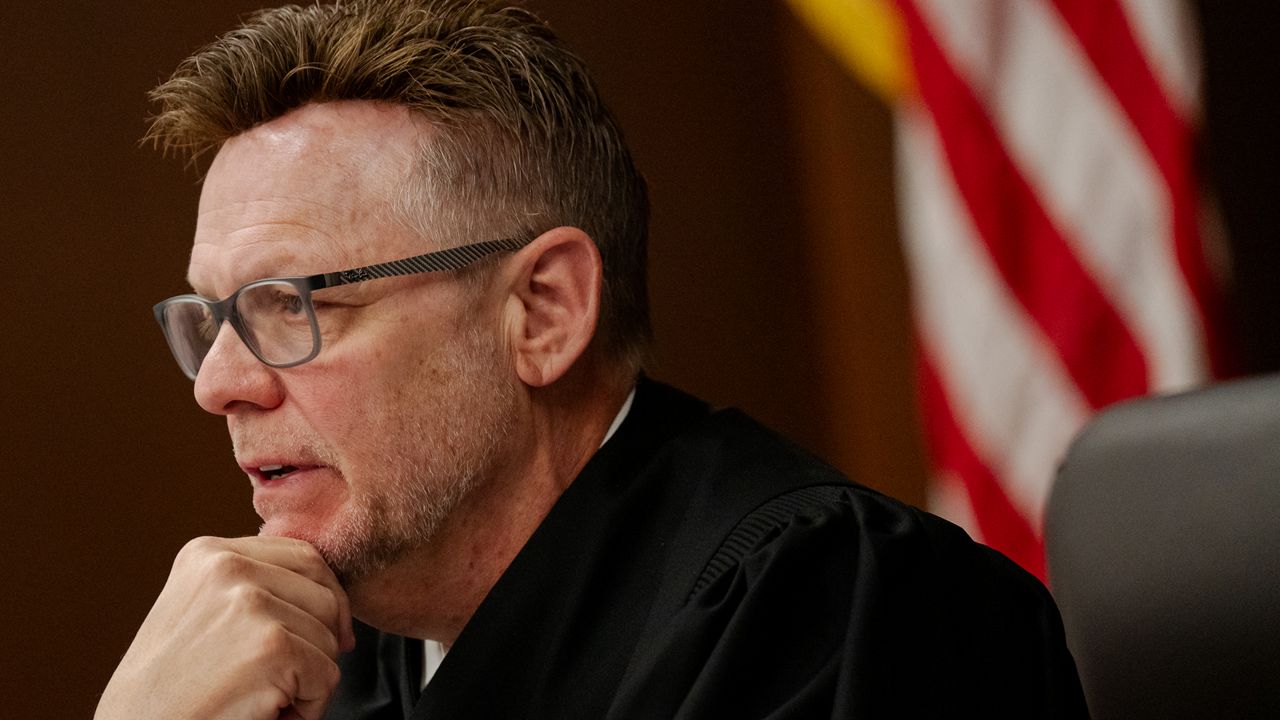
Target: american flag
1050	217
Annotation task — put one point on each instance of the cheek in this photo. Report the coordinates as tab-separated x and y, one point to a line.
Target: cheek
390	379
355	400
337	400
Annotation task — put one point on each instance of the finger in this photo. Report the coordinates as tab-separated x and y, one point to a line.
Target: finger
302	558
252	601
302	673
246	579
316	601
296	555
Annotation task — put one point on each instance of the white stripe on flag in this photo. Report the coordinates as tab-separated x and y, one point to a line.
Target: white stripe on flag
1166	32
1010	393
1089	168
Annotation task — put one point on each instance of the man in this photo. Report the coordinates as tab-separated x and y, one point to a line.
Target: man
420	304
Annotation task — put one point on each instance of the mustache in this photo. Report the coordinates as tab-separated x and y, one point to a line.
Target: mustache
293	443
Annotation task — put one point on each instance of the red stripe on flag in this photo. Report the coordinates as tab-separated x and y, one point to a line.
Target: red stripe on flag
1033	258
1103	31
1000	523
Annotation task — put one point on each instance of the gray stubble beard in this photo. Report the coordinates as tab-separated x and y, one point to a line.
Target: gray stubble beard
380	524
468	430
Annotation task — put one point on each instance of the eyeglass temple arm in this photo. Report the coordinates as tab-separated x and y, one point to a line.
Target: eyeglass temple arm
437	261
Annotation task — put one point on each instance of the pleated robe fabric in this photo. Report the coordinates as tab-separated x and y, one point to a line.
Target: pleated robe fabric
701	566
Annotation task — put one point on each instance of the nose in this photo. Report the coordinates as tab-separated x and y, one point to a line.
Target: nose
231	379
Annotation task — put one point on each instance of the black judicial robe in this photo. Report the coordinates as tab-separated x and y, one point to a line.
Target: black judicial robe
703	567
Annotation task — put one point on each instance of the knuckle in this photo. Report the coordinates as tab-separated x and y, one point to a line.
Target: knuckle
307	553
246	598
275	642
289	682
266	701
197	547
225	564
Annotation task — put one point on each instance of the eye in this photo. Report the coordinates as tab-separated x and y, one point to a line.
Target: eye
287	302
205	328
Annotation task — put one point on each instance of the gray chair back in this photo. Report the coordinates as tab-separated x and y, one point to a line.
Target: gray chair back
1163	542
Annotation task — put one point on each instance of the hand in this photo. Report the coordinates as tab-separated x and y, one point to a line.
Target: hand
244	629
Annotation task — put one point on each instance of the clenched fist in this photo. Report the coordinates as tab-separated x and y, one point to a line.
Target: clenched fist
245	629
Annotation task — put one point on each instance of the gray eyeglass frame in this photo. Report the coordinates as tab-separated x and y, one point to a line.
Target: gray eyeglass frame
454	258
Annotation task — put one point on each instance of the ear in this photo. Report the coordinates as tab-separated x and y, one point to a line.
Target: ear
554	304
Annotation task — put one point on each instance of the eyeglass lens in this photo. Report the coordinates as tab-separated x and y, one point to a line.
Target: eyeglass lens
275	323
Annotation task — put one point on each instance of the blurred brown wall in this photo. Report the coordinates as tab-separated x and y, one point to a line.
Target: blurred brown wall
776	281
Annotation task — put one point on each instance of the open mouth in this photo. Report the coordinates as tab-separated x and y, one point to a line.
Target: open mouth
275	472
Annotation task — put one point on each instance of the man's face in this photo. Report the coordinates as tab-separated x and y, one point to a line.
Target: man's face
363	450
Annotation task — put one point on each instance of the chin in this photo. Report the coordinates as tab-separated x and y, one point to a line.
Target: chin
312	521
345	550
304	529
276	527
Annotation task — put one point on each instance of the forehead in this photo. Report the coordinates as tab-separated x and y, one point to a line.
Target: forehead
312	191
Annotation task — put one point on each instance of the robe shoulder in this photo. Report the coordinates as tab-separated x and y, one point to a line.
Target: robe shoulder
702	566
828	599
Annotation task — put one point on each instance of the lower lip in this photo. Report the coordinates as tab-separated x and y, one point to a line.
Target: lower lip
301	491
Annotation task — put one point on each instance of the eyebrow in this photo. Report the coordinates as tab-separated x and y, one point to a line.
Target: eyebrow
262	267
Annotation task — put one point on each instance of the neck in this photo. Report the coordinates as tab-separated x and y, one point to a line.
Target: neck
433	590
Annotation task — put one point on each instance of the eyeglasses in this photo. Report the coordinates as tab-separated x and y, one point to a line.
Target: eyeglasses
275	318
